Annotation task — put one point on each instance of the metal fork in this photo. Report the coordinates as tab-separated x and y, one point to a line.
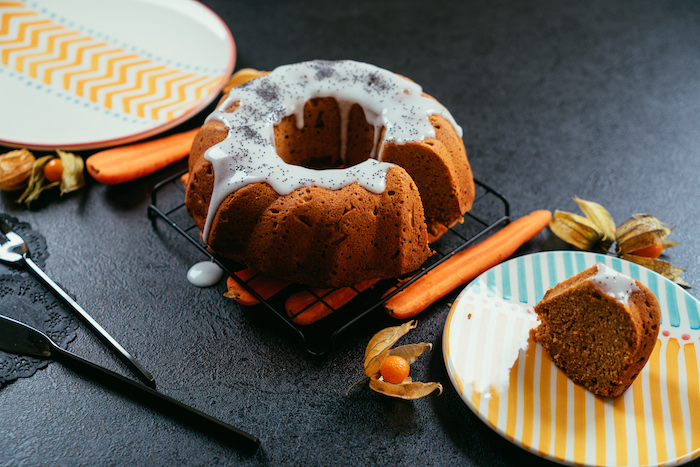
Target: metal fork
14	251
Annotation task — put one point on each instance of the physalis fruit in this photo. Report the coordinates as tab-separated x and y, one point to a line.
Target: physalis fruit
640	239
394	380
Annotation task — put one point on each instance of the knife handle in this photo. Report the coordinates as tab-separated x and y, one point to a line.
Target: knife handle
159	401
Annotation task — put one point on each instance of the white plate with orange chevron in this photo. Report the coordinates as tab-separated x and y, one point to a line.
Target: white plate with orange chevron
535	406
85	74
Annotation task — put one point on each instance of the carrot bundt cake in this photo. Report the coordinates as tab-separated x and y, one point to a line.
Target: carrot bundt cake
600	327
327	173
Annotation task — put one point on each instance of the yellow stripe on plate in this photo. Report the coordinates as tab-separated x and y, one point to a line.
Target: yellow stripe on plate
620	427
639	421
562	415
674	396
545	407
656	404
693	388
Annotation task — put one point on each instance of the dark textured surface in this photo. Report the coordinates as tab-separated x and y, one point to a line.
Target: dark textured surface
596	99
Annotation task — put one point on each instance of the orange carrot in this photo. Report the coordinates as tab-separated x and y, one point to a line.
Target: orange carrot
303	300
184	177
465	265
126	163
266	287
305	307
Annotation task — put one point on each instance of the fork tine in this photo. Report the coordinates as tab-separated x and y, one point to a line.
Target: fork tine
4	226
7	233
4	229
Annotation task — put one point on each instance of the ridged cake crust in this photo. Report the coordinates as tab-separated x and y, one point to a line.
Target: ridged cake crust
595	339
322	237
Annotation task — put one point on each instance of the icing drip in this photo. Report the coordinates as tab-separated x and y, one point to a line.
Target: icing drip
613	283
248	154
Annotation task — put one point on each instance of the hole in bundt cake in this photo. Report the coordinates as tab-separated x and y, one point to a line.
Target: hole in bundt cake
336	141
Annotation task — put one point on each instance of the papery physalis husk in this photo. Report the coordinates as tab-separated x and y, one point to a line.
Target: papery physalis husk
406	390
600	216
576	230
639	231
664	268
72	177
37	182
15	169
596	231
379	347
241	76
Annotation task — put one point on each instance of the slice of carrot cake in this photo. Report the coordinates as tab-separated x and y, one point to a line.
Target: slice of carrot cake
599	327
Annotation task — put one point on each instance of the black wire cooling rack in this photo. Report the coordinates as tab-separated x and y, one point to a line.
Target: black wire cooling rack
490	211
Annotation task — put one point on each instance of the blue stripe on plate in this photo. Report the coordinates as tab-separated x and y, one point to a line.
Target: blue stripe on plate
491	282
522	279
692	305
634	271
568	263
601	259
672	304
537	277
580	261
552	266
616	264
476	286
505	281
653	284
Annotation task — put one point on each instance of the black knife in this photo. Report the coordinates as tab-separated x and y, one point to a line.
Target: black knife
18	338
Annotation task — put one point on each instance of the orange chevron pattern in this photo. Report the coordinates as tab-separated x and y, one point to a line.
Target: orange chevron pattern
104	74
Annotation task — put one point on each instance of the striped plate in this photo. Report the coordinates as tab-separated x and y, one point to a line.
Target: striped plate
656	421
84	74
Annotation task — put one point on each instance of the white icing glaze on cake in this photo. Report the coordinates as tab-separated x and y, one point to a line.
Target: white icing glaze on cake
614	284
248	154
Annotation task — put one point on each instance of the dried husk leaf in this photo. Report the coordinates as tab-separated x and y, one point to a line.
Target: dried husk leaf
241	76
15	169
407	390
664	268
600	217
576	230
640	241
411	351
37	182
666	244
639	223
378	347
639	231
72	177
